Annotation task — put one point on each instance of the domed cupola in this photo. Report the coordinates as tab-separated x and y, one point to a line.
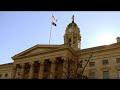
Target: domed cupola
72	35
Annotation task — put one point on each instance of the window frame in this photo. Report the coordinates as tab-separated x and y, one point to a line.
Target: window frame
104	76
93	73
0	75
91	65
117	60
118	72
6	75
104	62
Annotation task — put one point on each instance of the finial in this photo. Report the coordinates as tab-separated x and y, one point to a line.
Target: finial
73	18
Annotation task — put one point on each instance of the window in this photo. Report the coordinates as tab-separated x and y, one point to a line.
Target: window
119	74
79	65
91	64
45	69
117	60
70	42
105	74
92	75
56	68
0	75
6	75
104	62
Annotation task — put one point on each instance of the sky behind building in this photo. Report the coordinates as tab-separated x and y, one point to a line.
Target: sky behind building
20	30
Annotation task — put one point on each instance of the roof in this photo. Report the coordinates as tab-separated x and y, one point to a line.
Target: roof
100	48
6	64
70	25
46	49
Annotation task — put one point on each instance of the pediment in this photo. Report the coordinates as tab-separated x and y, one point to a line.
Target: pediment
37	49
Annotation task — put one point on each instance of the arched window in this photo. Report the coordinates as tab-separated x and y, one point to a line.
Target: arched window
70	42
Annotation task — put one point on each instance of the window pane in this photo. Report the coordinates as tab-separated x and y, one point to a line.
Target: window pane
117	60
119	73
6	75
92	75
105	74
104	62
91	64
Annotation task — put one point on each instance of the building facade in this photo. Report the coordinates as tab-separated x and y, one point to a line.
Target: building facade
53	61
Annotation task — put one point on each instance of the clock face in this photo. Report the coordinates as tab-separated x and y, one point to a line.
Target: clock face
70	30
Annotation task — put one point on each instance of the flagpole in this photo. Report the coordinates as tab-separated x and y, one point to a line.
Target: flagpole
50	32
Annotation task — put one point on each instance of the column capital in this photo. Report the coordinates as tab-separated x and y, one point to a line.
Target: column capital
52	59
41	61
31	63
22	65
65	58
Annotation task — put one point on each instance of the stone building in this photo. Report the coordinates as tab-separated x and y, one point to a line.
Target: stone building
51	61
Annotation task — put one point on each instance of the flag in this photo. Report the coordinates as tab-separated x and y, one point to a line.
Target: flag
54	24
54	20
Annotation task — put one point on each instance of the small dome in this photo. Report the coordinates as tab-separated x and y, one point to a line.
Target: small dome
70	25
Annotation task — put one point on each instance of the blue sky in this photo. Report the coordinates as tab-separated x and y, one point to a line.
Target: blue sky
20	30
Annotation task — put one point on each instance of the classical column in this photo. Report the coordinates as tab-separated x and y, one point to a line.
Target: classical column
65	68
22	71
72	40
41	70
14	72
31	71
52	71
16	75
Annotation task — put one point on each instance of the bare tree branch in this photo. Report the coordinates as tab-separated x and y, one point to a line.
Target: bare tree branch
87	63
73	71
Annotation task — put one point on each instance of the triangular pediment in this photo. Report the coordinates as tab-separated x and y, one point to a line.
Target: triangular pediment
37	49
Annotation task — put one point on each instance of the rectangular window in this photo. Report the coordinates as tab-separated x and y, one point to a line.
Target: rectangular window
0	75
91	64
105	74
117	60
104	62
45	69
6	75
92	75
119	74
56	68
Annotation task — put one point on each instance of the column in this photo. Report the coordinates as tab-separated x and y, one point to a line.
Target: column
16	75
14	72
52	72
22	71
31	71
65	68
80	42
41	71
72	37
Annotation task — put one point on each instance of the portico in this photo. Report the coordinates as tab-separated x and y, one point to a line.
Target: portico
48	65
